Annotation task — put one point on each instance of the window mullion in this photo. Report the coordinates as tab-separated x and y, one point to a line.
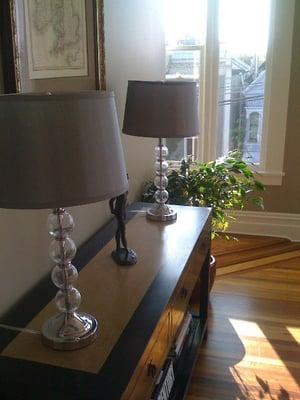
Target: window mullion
209	67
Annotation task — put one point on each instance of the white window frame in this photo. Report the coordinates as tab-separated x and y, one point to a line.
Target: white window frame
175	164
278	68
278	63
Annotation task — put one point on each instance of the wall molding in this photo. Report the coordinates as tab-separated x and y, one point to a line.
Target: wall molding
271	178
266	224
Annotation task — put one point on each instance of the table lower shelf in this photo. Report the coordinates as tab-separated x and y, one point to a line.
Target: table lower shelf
184	364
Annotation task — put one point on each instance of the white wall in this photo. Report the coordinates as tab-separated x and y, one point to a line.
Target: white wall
134	50
133	44
24	246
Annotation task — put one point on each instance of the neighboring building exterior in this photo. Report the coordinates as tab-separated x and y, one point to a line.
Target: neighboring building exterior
241	102
254	107
231	126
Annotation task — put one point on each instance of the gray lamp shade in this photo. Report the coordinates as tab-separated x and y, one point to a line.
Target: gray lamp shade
59	150
161	109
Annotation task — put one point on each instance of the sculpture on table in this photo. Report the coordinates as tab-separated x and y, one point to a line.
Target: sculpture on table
122	255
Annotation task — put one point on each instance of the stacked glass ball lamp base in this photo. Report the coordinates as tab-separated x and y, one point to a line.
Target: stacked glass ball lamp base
69	329
160	211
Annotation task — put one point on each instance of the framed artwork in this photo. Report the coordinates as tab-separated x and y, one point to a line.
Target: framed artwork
52	45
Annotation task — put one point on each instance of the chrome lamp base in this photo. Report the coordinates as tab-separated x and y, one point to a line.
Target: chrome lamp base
69	332
161	212
70	329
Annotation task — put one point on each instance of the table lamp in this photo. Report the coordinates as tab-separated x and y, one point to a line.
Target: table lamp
161	110
59	150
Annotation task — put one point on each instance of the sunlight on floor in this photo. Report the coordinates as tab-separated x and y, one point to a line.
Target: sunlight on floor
295	332
262	373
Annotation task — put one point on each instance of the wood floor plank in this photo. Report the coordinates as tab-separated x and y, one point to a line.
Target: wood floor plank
221	245
254	254
275	275
260	262
254	309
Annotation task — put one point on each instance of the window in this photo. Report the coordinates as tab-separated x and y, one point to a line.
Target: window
184	39
242	62
182	148
227	46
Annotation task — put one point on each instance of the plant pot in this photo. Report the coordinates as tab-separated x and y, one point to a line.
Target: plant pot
198	287
212	271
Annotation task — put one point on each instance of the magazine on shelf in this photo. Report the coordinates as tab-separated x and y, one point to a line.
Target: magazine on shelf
164	383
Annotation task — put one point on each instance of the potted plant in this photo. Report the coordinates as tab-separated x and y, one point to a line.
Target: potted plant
225	184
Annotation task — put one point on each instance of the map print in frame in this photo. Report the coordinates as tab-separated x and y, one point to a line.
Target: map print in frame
56	38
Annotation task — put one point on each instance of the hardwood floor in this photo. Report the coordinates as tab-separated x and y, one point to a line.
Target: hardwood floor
253	345
247	248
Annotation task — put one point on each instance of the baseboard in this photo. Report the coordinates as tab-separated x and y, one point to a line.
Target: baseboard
266	224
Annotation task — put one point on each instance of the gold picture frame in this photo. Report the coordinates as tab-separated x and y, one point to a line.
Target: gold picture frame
14	52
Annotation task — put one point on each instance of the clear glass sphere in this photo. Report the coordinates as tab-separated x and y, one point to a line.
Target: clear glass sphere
163	169
164	151
161	182
161	196
68	300
64	277
62	251
60	224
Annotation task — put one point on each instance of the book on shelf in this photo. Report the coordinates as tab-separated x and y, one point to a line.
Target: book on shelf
166	377
184	331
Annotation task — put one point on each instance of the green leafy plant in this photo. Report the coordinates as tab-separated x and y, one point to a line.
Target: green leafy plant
225	184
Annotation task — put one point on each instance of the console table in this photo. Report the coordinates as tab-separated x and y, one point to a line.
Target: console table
140	310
